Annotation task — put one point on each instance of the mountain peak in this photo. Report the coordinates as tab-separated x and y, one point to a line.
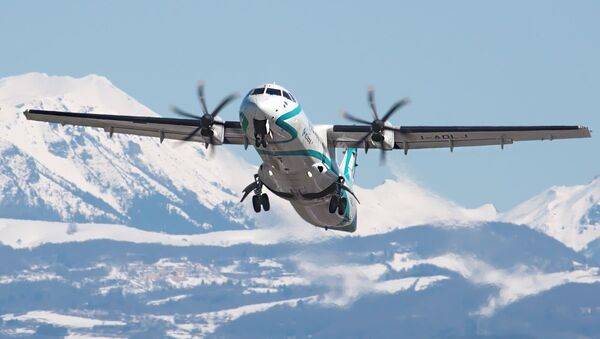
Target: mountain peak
68	173
90	93
571	214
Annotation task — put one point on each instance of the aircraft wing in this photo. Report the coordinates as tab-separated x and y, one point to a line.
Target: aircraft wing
418	137
164	128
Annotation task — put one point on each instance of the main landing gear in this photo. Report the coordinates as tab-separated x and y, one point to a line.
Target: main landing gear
259	199
338	202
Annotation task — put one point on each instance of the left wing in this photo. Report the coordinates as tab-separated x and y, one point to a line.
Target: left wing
164	128
418	137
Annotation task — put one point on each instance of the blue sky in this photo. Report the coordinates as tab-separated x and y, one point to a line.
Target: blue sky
461	63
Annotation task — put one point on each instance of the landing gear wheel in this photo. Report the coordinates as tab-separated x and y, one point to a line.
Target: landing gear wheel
264	201
333	204
342	206
256	203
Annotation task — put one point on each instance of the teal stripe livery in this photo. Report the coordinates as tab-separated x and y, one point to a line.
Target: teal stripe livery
281	122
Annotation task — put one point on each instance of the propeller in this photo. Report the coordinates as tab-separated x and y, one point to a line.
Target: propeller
378	125
207	120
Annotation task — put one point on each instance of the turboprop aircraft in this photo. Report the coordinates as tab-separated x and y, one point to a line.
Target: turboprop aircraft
299	159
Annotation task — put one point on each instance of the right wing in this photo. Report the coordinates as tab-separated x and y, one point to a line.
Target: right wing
164	128
419	137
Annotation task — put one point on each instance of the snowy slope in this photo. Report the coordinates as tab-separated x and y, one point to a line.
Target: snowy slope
62	173
415	280
570	214
403	202
32	233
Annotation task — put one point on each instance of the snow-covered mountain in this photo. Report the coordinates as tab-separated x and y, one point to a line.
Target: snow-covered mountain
53	172
500	279
570	214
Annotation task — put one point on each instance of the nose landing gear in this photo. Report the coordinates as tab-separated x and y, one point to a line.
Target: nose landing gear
259	199
260	133
260	140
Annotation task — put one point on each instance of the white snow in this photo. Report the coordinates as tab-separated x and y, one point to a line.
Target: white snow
513	284
402	203
214	319
54	318
560	213
33	233
29	276
348	282
168	300
418	283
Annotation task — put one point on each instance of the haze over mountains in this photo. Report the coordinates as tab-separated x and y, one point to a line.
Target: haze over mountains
132	235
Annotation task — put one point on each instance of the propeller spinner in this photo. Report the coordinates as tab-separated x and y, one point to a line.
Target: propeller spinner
378	125
207	120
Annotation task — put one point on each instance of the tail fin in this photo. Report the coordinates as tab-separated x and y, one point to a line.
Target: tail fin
348	165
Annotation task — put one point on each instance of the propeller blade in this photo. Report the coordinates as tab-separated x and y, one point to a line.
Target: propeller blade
371	98
191	135
382	157
392	128
394	108
210	148
184	113
217	122
360	141
355	119
201	96
223	103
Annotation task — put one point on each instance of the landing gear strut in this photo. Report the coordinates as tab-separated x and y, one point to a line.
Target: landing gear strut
259	199
338	202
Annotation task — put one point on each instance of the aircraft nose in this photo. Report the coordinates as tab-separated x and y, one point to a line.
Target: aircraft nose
261	109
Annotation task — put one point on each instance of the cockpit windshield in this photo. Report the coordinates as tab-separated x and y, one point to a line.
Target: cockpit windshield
291	97
272	91
256	91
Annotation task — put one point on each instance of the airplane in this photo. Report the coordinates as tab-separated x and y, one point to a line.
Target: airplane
298	158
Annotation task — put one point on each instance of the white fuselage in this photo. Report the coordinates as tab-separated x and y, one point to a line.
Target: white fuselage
297	163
